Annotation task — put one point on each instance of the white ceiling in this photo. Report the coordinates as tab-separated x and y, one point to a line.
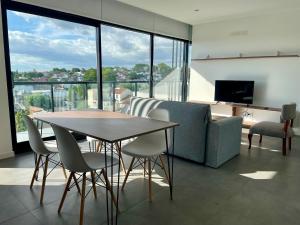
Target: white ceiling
213	10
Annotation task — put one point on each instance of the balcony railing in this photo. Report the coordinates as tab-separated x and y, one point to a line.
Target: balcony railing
33	97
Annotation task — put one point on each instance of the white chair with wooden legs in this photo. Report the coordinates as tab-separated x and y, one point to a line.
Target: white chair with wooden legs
96	145
42	151
148	149
77	162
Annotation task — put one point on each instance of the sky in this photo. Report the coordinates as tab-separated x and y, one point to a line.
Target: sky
42	43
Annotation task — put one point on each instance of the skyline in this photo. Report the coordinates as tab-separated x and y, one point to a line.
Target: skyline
43	43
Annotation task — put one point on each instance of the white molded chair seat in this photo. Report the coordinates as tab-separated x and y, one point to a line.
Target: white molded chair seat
96	161
149	145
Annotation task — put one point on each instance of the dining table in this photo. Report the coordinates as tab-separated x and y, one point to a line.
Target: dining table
113	128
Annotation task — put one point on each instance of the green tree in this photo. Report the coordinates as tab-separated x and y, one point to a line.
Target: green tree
20	123
74	70
90	75
139	68
164	69
38	100
76	96
109	74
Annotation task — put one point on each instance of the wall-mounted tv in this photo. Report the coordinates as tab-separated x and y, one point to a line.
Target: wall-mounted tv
235	91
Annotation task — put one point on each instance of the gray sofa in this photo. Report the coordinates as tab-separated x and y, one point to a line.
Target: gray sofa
198	138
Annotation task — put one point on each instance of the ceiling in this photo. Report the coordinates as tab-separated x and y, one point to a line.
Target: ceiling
213	10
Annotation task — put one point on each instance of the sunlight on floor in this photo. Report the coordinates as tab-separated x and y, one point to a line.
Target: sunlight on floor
22	176
260	147
260	175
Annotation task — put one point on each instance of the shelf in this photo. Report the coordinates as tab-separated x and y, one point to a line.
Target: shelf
248	57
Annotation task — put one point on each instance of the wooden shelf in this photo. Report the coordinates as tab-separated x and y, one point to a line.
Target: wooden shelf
248	57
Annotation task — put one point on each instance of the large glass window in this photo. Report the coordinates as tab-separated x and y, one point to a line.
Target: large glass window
168	68
53	65
125	66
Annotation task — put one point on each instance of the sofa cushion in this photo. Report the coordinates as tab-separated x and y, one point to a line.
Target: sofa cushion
193	118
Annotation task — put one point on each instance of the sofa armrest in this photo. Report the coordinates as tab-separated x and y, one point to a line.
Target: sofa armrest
223	140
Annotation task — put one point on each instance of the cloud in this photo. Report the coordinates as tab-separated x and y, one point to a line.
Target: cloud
75	52
50	42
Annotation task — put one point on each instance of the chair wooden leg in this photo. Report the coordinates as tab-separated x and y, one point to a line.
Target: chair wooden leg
109	187
250	140
64	170
145	164
283	146
44	179
82	199
76	182
99	146
149	174
290	143
65	192
164	168
118	147
128	171
36	169
94	184
260	139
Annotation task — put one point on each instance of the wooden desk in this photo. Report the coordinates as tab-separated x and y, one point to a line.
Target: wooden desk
112	127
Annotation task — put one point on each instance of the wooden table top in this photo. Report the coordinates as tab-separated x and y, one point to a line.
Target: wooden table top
104	125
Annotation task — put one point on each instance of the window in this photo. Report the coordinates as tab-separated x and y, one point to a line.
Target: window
125	66
53	65
168	68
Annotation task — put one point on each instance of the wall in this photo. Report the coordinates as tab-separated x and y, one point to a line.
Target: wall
5	138
119	13
276	80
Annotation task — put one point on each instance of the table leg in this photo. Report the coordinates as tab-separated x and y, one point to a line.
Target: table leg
112	182
169	166
118	184
107	210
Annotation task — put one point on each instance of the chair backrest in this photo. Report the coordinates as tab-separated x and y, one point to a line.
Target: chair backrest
163	115
35	139
288	111
69	150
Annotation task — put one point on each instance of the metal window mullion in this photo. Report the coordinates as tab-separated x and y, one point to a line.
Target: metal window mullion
99	67
151	81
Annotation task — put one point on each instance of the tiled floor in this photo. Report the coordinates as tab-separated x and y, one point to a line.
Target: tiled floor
257	187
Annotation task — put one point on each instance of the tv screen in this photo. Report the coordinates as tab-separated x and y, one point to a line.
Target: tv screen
234	91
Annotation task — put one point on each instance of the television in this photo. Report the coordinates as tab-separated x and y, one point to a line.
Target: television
234	91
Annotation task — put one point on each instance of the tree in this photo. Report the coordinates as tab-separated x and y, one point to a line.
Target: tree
38	100
74	70
90	75
57	70
109	74
164	69
139	68
20	123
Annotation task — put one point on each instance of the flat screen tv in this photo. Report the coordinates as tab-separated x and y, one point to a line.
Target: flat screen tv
235	91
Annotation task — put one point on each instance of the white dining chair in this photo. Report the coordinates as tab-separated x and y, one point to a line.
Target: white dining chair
77	162
148	148
42	151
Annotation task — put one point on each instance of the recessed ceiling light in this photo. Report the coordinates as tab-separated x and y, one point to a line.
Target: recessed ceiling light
196	10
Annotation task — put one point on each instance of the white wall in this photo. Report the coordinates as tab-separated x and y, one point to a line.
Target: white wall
277	80
119	13
5	137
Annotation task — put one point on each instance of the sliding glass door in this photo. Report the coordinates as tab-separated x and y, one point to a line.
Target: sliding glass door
53	67
125	66
57	61
168	68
